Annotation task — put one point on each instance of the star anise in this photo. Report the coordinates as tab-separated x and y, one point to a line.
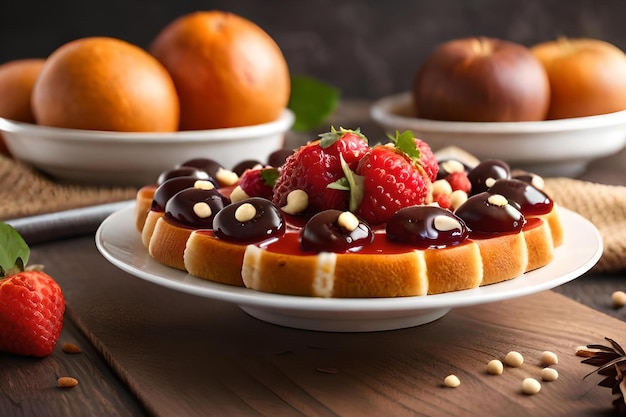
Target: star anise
611	363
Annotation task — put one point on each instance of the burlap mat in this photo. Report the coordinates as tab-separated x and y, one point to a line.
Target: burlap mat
604	206
26	192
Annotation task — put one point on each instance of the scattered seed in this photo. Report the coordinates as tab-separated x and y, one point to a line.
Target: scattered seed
549	358
530	386
67	382
495	367
549	374
514	359
70	348
452	381
619	299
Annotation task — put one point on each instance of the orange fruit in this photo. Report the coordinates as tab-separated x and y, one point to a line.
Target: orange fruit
227	70
102	83
17	79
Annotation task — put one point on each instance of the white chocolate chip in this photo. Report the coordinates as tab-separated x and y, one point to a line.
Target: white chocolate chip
452	381
238	194
203	185
489	182
245	213
619	299
446	223
498	200
226	177
530	386
549	374
514	359
202	210
348	221
495	367
452	165
457	198
549	358
537	182
297	202
442	187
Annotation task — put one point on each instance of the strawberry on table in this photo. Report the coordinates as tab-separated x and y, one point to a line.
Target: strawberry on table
31	302
316	165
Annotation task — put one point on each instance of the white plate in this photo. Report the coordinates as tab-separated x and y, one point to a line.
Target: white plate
119	242
549	148
136	158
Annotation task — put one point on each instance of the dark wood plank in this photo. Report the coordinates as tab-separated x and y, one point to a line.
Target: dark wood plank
28	386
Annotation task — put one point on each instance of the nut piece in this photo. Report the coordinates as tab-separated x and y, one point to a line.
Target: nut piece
442	187
202	210
348	221
457	198
498	200
203	185
530	386
549	358
619	299
495	367
67	382
226	177
238	194
452	165
452	381
70	348
297	202
446	223
514	359
549	374
245	213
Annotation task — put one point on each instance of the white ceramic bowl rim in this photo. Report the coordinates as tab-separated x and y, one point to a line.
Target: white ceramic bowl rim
283	123
385	109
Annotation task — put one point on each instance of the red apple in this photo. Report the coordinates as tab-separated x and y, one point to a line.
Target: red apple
481	79
587	76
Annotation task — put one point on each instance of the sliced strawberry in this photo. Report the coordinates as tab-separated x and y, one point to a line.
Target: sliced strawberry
316	165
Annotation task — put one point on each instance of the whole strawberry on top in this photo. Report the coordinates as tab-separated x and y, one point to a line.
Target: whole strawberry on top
392	176
316	165
31	302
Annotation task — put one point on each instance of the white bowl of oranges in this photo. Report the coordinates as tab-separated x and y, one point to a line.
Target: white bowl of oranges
103	111
549	109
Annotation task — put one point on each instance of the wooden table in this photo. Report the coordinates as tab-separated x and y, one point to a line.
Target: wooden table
152	351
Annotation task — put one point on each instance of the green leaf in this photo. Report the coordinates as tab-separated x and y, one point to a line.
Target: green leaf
269	176
14	251
311	101
405	142
328	138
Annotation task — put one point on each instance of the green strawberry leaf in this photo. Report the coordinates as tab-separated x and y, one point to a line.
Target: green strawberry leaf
405	142
328	138
269	176
311	101
351	182
14	251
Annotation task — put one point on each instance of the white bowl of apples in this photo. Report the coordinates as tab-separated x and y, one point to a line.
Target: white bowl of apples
543	126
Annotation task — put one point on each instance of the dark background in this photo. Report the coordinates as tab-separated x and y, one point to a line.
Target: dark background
368	49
